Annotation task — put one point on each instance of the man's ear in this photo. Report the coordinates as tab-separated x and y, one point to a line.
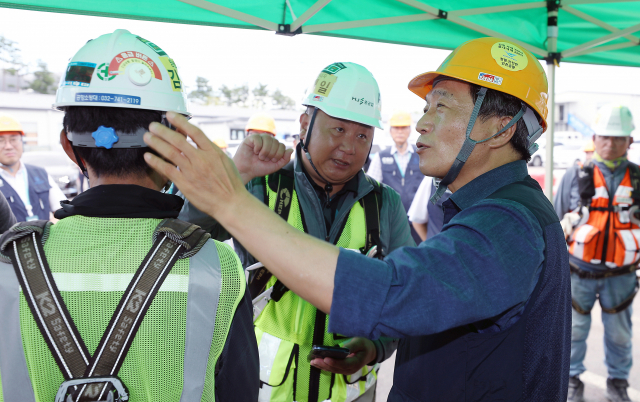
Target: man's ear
304	125
505	137
68	148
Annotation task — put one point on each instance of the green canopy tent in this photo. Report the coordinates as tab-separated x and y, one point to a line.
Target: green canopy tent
580	31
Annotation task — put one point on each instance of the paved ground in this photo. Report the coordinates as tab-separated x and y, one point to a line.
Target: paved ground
595	378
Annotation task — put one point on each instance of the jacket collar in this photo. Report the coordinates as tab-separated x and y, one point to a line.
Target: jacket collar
121	201
488	183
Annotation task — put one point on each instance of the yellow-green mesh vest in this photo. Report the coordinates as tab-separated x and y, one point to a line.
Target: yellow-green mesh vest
103	254
291	320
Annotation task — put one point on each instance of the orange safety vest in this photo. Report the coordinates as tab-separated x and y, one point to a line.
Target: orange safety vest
608	233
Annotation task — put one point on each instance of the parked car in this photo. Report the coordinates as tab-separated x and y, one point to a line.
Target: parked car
564	154
60	168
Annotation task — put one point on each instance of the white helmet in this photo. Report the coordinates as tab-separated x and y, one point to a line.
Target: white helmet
346	91
613	121
122	70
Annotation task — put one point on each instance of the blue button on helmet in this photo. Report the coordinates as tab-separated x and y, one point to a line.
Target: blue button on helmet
105	137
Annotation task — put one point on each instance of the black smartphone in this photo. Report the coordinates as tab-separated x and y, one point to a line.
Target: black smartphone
333	352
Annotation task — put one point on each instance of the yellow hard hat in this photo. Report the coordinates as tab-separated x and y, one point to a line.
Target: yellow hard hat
589	146
221	143
496	64
9	125
400	119
262	122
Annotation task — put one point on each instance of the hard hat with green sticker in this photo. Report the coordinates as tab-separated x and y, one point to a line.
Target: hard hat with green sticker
346	91
122	70
613	121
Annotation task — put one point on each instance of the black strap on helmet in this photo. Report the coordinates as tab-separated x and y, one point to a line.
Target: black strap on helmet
305	147
469	144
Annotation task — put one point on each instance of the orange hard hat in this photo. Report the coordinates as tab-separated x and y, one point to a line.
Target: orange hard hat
9	125
221	143
262	122
496	64
400	119
589	146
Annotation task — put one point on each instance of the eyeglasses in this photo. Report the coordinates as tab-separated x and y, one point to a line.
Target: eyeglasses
12	139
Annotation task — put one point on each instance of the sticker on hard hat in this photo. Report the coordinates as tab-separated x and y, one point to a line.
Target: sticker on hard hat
333	68
324	84
318	98
509	56
122	60
103	72
79	74
494	79
108	98
153	46
170	65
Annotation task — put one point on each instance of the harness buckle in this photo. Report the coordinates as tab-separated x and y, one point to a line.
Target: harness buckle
121	394
260	302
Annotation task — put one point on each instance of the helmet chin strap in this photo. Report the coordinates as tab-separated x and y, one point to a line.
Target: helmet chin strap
328	187
469	144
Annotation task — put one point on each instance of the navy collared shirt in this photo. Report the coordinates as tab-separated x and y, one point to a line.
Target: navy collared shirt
480	270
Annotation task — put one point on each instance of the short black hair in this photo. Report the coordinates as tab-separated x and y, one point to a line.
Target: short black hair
118	162
500	104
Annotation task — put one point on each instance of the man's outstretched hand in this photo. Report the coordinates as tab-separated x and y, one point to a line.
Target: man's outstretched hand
205	175
260	155
211	182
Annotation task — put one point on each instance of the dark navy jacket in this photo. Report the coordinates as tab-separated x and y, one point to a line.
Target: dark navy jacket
484	306
405	186
435	213
38	194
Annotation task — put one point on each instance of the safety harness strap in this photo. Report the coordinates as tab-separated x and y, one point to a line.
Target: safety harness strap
586	186
172	239
582	274
634	175
294	354
615	310
23	244
372	205
282	183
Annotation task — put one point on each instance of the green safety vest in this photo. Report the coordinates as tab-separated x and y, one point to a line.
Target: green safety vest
285	329
93	261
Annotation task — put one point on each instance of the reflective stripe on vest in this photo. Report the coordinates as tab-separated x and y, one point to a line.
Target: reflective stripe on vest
608	231
290	321
274	356
204	284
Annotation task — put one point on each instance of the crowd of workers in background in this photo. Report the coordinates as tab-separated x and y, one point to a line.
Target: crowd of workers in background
265	336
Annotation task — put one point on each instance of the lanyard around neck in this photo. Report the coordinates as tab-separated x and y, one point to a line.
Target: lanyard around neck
395	156
27	200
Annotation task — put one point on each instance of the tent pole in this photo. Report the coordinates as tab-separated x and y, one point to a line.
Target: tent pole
548	165
552	61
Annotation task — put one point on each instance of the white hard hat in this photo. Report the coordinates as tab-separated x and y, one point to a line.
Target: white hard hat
122	70
346	91
613	121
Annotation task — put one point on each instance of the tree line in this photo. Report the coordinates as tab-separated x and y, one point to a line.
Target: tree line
259	97
43	81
